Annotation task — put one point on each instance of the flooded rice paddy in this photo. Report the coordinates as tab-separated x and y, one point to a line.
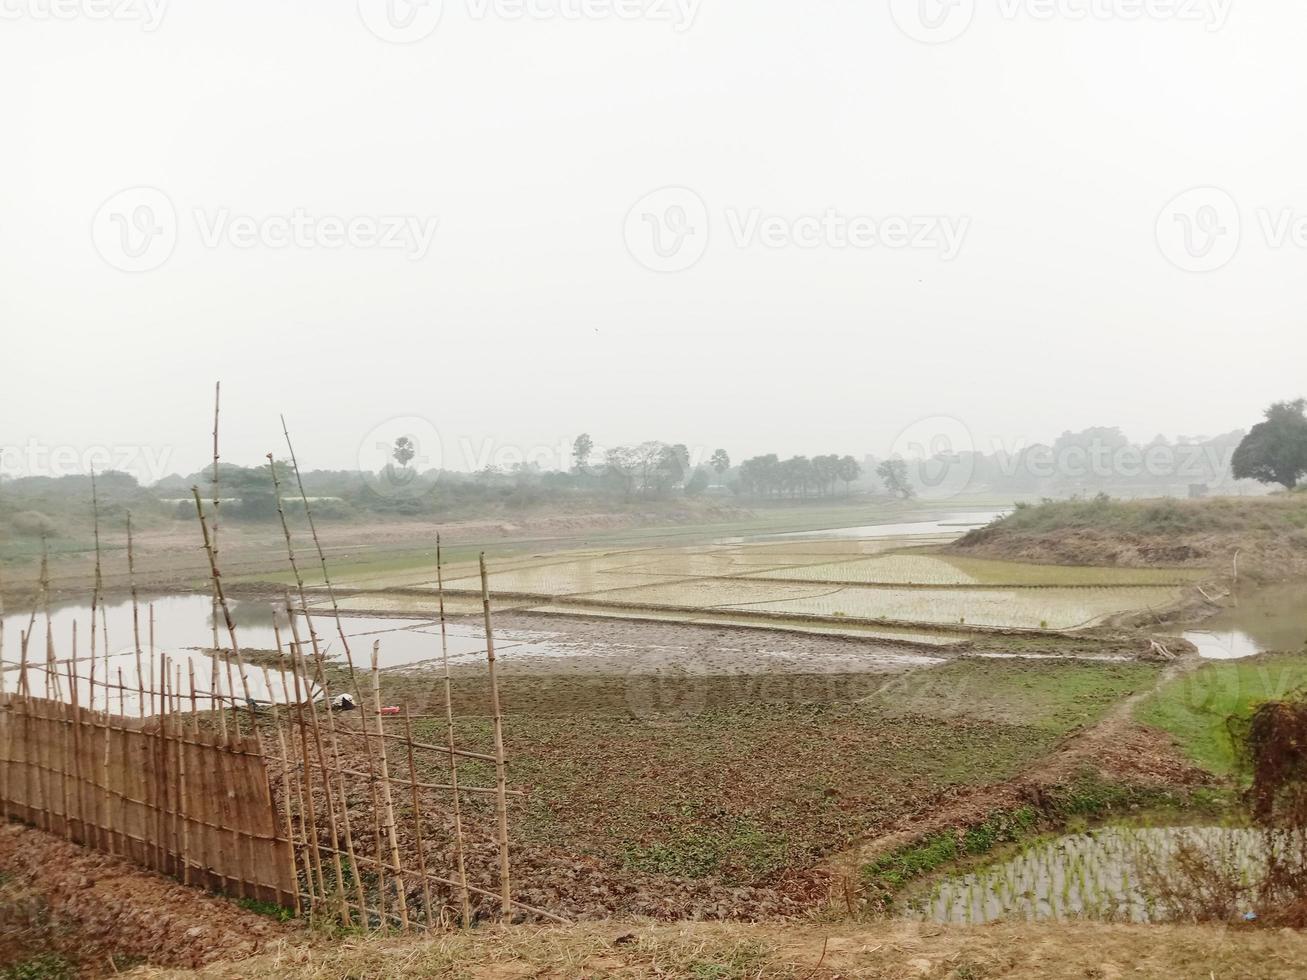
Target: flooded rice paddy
883	576
1108	874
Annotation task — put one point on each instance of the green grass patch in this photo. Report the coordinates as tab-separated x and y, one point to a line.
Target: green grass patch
1197	708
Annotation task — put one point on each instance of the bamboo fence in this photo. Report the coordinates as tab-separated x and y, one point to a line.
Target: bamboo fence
283	798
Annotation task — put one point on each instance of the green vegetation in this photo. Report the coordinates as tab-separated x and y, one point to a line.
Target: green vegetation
1275	451
888	874
757	774
1280	513
45	966
1198	707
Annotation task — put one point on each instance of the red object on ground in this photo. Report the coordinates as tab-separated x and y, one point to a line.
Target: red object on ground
390	710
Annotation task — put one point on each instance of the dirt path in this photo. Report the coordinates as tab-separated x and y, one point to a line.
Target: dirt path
805	951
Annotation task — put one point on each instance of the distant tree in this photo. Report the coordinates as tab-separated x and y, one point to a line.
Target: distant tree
582	447
1275	451
622	463
697	483
404	451
720	461
848	470
894	474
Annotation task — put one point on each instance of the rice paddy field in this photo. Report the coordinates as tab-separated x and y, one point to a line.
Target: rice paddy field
887	577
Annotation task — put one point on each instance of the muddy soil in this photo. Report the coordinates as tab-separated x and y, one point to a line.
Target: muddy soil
64	907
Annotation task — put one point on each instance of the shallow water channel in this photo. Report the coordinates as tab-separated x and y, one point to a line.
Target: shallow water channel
1271	618
180	627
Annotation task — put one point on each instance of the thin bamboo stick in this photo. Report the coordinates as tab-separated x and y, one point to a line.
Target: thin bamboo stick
498	722
284	759
307	804
349	655
460	854
181	830
298	655
417	821
217	404
222	598
319	673
402	898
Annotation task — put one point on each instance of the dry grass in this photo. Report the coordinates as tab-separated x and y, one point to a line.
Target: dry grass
807	951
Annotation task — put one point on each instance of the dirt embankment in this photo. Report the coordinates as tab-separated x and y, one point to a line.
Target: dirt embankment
1263	538
805	951
67	910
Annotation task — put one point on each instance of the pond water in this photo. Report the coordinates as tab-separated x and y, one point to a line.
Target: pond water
956	524
1272	618
1101	874
182	631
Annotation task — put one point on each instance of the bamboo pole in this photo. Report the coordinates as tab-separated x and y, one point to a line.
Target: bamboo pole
122	800
217	404
297	654
136	607
284	759
417	820
402	899
344	642
319	675
97	591
320	678
74	714
500	774
180	830
459	851
307	805
222	598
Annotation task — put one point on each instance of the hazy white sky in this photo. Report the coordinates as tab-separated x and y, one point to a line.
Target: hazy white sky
271	172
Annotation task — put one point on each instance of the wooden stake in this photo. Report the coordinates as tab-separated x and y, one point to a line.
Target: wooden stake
222	598
307	805
453	759
501	778
385	792
298	653
321	678
417	820
349	657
